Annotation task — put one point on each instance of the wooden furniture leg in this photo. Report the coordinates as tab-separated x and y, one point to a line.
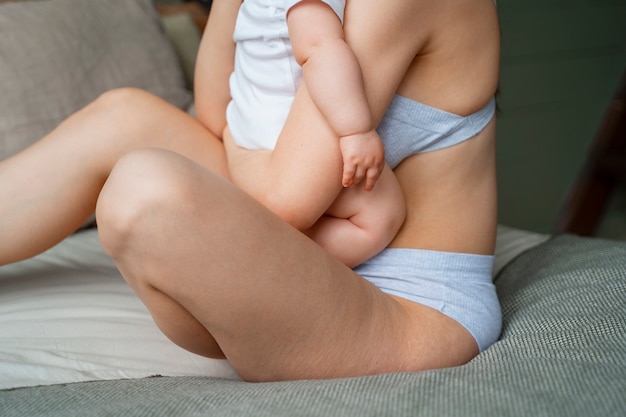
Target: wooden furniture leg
603	170
198	10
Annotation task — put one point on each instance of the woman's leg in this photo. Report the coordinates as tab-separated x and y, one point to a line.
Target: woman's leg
48	190
223	276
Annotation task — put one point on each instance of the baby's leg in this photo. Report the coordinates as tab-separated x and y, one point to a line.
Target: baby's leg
301	177
360	223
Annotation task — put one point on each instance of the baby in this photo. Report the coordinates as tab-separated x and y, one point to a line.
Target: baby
279	45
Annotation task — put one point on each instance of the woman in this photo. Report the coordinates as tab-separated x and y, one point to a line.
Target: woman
225	277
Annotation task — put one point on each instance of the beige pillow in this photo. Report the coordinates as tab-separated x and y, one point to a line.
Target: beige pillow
58	55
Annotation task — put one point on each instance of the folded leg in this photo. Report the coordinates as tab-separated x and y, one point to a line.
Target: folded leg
48	190
223	276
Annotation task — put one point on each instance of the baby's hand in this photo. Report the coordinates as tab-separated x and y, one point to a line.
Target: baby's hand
363	157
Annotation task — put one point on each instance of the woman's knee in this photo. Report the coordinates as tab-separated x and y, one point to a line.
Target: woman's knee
124	107
120	99
138	191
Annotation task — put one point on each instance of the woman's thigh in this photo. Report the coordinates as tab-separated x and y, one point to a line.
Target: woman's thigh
213	264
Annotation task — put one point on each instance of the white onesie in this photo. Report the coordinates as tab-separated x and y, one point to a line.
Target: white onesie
266	75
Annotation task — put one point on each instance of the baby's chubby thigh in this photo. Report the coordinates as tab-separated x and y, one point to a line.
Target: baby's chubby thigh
245	166
360	223
382	209
282	184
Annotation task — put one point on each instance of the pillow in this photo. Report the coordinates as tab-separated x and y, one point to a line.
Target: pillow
56	56
185	37
67	315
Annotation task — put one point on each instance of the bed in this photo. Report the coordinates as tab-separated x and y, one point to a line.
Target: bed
75	340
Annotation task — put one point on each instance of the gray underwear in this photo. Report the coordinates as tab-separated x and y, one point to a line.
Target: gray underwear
409	127
458	285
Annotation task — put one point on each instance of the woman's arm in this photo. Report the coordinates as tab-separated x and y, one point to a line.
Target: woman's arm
215	64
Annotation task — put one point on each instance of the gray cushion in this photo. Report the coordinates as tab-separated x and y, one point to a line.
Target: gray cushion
562	353
58	55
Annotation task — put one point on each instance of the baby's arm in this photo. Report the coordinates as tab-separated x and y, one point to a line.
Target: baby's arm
333	77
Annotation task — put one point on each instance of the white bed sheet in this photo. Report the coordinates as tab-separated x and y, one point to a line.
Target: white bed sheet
68	316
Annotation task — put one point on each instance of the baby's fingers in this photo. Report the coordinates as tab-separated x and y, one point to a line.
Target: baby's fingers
353	174
359	174
373	174
349	170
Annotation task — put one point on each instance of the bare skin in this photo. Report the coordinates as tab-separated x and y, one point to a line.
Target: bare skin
221	274
361	220
55	183
333	77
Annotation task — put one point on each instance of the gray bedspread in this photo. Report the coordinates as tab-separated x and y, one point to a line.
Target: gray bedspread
562	353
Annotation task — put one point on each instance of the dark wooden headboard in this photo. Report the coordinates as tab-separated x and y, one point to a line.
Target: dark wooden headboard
197	9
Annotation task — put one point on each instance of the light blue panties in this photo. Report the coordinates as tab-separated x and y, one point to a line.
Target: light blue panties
458	285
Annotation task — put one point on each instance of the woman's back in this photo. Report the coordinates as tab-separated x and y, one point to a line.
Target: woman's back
456	69
455	45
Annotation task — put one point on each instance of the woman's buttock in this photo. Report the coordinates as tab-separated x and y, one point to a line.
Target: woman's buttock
458	285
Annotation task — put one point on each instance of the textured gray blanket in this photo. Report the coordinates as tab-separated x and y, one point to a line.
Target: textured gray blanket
562	353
